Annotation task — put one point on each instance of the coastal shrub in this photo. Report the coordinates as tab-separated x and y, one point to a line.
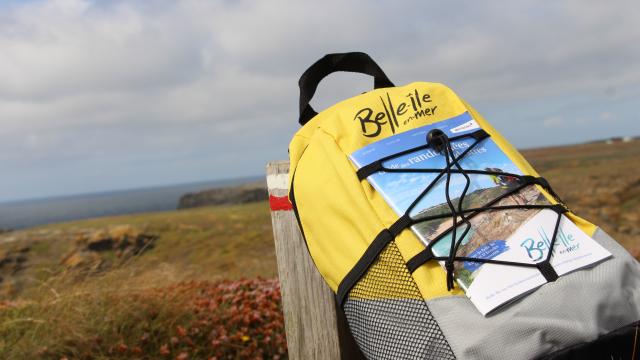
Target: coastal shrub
185	320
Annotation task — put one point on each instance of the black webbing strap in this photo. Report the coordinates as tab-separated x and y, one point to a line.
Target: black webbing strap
369	169
402	223
422	257
361	267
370	255
358	62
377	165
547	271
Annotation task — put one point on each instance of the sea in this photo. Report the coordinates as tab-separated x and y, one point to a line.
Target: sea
28	213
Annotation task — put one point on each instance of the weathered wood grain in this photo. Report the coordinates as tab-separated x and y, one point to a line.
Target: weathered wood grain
315	329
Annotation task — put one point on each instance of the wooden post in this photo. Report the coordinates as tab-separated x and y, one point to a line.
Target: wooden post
315	327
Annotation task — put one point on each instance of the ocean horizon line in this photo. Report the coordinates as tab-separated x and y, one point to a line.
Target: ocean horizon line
230	181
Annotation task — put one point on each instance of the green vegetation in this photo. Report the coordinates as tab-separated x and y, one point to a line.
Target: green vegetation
124	316
166	302
155	285
219	242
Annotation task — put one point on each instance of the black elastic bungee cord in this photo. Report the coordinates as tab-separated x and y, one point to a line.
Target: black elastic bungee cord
440	142
448	152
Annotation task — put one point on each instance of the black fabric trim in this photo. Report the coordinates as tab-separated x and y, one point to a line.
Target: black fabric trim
402	223
623	343
369	169
292	200
421	258
547	271
479	134
370	255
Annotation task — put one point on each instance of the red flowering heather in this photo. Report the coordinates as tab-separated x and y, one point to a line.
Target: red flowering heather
231	320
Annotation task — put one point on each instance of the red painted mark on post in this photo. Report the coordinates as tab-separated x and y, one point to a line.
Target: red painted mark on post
279	203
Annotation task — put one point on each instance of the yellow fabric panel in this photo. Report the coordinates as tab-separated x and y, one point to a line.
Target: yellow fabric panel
346	130
341	215
338	122
338	221
296	149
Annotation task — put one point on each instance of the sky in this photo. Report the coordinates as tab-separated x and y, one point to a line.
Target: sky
105	95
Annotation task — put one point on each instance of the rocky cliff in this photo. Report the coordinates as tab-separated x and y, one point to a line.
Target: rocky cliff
240	194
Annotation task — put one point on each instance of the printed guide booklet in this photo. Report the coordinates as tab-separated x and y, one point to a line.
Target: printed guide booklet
521	235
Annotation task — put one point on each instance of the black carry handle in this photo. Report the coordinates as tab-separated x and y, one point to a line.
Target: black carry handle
358	62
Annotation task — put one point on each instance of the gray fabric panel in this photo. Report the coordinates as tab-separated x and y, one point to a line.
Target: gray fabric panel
396	329
578	307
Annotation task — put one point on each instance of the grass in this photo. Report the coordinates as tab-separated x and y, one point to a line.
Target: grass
140	307
186	298
124	316
226	241
66	318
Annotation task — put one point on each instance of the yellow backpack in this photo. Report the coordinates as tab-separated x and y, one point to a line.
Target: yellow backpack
362	248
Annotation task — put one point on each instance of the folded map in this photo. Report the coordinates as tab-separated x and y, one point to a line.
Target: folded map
521	235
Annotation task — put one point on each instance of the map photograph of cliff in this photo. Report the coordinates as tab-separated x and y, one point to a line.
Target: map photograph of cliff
493	226
488	230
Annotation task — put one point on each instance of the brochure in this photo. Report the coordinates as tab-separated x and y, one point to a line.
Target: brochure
521	235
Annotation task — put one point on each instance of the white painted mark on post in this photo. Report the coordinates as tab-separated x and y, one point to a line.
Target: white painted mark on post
278	181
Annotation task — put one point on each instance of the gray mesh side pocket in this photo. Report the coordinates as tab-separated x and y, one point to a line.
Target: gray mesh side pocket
388	316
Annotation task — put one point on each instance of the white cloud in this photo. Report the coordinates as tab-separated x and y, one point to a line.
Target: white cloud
175	80
553	121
